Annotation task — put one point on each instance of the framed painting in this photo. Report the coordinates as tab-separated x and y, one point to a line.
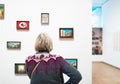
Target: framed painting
73	62
66	33
22	25
20	68
13	44
2	10
97	41
44	18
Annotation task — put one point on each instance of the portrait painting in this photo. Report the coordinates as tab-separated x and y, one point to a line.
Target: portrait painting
97	41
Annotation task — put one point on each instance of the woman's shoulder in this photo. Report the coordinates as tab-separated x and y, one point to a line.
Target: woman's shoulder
32	57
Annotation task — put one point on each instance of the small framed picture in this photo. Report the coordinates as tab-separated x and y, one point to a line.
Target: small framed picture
13	44
20	68
2	10
22	25
73	62
66	33
44	18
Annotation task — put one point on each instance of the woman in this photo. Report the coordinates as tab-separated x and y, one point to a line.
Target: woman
46	68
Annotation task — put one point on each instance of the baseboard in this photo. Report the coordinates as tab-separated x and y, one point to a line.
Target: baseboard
111	65
106	63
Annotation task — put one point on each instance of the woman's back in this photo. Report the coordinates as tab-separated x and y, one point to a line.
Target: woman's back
50	69
46	68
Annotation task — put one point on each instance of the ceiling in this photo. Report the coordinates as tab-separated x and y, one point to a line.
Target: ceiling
99	2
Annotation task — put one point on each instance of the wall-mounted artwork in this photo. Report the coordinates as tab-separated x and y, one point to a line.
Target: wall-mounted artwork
116	41
20	68
2	10
44	18
13	44
66	33
22	25
97	41
73	62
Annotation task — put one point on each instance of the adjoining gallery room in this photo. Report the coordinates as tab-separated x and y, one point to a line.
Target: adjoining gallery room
86	33
105	42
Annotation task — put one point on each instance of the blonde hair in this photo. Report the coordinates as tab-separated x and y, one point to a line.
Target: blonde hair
43	42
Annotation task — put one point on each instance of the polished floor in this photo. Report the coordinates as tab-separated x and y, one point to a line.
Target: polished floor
103	73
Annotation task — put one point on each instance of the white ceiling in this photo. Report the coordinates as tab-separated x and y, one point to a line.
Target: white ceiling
99	2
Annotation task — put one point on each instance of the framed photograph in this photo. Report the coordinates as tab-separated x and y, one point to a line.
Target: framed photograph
2	10
44	18
66	33
97	41
20	68
22	25
13	44
73	62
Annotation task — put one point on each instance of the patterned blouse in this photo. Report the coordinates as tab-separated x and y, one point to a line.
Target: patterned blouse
50	70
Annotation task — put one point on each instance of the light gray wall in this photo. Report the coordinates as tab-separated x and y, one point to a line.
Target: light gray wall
111	27
63	13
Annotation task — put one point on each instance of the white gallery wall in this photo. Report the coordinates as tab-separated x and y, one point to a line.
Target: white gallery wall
111	30
63	14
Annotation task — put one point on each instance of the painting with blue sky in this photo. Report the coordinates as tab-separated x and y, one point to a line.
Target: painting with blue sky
66	32
73	62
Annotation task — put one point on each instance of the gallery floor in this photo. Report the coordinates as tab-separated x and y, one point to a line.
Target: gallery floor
103	73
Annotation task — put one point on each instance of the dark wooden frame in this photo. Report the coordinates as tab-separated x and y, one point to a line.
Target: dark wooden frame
20	68
67	33
45	18
71	60
13	44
